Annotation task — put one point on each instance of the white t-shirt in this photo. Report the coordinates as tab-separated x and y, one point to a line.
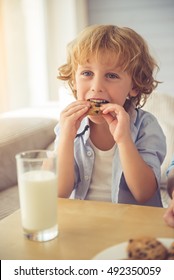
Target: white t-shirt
100	187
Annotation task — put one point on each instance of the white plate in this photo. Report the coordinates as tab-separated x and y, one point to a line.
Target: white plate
118	252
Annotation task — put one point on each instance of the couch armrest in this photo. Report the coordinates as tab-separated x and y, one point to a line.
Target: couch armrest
21	134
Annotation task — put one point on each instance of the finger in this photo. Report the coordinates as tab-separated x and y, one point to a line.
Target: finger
75	109
81	113
76	104
170	221
112	108
169	217
109	118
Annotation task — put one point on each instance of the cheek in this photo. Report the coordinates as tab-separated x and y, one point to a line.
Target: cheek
77	83
80	88
80	92
119	96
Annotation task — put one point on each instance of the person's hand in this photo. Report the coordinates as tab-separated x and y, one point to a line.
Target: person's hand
169	214
118	120
71	117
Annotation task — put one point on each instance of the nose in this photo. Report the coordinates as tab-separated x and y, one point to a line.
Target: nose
97	84
100	90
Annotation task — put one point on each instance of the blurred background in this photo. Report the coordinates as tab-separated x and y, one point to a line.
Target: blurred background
34	35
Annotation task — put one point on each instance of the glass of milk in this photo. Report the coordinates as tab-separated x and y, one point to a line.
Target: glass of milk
37	182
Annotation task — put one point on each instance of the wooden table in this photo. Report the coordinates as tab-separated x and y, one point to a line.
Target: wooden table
85	229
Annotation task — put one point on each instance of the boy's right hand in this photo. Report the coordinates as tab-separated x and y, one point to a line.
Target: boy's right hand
71	117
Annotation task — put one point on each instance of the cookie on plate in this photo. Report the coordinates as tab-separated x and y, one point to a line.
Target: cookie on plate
146	248
171	252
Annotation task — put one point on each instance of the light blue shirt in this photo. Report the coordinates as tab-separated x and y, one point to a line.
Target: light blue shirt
171	166
150	142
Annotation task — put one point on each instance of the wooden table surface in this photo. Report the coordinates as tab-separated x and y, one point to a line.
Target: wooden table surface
85	229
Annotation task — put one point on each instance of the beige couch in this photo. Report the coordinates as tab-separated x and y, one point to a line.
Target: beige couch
19	134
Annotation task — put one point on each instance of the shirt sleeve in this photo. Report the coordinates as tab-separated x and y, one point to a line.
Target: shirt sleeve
171	166
151	143
56	143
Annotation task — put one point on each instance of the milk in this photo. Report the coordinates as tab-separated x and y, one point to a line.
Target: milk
38	199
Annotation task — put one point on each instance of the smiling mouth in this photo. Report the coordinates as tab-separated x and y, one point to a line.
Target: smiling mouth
94	109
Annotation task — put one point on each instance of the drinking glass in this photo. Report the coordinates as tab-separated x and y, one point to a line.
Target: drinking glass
37	182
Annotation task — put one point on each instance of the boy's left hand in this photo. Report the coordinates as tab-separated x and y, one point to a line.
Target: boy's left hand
118	120
169	214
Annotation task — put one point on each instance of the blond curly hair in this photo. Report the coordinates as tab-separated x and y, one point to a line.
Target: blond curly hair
121	43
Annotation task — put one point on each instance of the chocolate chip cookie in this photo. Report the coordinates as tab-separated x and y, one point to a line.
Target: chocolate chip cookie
95	104
146	248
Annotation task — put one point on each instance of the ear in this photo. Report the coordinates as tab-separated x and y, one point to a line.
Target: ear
133	92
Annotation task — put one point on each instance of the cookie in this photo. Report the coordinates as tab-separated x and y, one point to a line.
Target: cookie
146	248
171	252
94	109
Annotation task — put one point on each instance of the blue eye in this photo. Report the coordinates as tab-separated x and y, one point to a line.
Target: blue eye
87	73
112	76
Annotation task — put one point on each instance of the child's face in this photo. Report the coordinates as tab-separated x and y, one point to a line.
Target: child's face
104	80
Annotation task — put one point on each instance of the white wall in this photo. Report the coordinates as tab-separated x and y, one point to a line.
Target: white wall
33	39
153	19
64	20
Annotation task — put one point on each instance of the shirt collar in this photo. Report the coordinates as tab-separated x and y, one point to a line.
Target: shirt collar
84	129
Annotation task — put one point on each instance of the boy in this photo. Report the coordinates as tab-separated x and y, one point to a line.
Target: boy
114	155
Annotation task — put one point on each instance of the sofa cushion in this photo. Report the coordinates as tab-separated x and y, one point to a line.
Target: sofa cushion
162	107
9	199
20	134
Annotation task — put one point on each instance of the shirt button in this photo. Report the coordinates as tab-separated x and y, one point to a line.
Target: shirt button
86	177
89	153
